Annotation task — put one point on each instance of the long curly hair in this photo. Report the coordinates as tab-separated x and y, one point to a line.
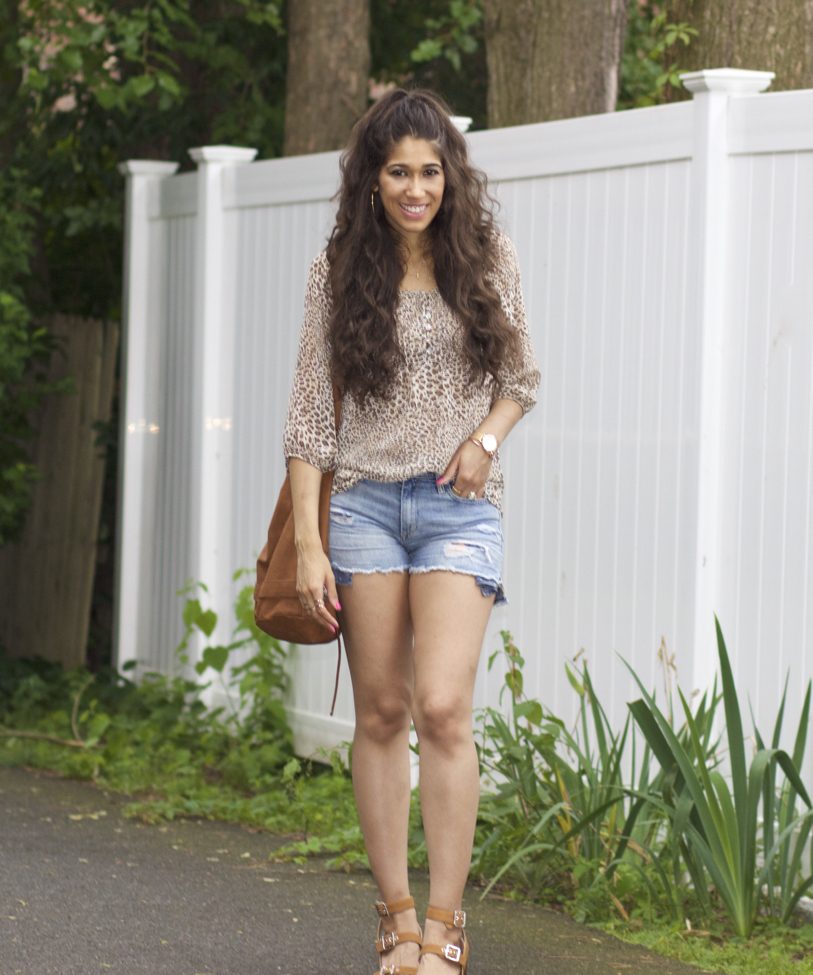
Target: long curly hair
367	262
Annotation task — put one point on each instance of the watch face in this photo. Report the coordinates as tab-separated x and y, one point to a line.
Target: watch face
489	442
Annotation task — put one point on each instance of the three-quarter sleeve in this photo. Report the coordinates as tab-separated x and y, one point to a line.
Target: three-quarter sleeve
310	432
519	381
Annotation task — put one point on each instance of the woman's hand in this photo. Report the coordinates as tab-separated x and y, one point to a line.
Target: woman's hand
469	467
315	584
314	577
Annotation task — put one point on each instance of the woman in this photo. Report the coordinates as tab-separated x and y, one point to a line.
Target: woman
414	311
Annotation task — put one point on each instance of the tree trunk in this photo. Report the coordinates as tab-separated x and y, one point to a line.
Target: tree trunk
328	69
46	580
552	59
760	35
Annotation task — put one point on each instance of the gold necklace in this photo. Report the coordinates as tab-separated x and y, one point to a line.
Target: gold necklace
418	273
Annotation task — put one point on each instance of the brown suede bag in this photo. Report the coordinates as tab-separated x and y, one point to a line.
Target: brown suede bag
277	609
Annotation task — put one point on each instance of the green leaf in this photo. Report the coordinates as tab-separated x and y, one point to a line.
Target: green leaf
215	657
139	85
291	770
207	621
427	50
168	83
108	97
574	682
532	710
736	738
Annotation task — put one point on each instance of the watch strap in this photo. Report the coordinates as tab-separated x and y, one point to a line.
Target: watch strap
480	444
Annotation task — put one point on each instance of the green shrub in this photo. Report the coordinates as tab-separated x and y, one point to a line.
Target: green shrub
720	823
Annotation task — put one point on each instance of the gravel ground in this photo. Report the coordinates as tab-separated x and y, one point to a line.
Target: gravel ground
84	891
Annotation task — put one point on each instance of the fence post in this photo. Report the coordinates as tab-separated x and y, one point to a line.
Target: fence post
214	394
709	228
134	470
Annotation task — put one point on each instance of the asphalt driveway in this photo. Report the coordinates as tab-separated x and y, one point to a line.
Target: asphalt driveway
84	891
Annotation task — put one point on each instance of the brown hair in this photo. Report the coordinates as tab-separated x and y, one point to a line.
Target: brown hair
367	265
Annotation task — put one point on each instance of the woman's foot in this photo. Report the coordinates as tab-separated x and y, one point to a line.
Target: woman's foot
404	954
436	933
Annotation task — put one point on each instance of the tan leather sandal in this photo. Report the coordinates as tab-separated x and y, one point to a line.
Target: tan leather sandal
387	940
459	954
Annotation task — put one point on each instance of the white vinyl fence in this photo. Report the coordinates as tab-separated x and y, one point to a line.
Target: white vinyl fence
665	474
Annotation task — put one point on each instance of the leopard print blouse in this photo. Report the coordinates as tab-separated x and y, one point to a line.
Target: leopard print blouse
434	408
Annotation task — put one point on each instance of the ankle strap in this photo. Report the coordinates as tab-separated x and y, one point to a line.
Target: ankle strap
393	938
393	907
452	919
459	954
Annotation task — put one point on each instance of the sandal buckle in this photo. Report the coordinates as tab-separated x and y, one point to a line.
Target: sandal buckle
381	907
459	919
389	940
452	953
389	970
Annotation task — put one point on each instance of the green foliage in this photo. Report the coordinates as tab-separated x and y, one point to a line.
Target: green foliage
779	810
674	841
720	823
773	949
436	44
85	86
558	799
24	353
651	39
451	34
157	736
22	348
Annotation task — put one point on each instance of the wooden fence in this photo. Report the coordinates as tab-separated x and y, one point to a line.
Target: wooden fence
46	580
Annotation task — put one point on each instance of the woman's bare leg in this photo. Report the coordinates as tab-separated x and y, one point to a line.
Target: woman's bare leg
449	616
378	632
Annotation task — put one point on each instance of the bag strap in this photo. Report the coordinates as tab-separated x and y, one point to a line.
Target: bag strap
337	415
338	669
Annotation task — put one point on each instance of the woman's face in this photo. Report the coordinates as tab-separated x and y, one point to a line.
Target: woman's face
410	185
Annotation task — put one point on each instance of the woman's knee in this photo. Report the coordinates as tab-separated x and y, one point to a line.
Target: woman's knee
442	718
383	716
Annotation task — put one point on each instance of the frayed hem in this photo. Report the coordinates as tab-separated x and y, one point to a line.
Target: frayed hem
344	577
488	587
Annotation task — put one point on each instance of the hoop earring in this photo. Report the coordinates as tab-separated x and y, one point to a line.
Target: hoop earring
372	200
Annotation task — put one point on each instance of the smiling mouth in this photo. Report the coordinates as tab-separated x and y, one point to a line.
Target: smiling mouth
414	209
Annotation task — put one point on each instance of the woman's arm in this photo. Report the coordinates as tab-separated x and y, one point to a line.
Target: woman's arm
313	573
470	465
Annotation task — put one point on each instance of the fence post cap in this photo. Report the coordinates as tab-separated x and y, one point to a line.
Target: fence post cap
147	167
461	122
222	154
732	81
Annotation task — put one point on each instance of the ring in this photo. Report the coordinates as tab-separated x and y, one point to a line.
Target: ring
320	604
472	496
455	491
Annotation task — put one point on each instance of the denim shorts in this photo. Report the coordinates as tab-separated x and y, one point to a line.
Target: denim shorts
415	526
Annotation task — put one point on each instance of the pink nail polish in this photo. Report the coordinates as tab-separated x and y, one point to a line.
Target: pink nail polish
439	480
338	604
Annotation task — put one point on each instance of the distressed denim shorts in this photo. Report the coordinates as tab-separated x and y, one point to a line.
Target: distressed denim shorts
415	526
